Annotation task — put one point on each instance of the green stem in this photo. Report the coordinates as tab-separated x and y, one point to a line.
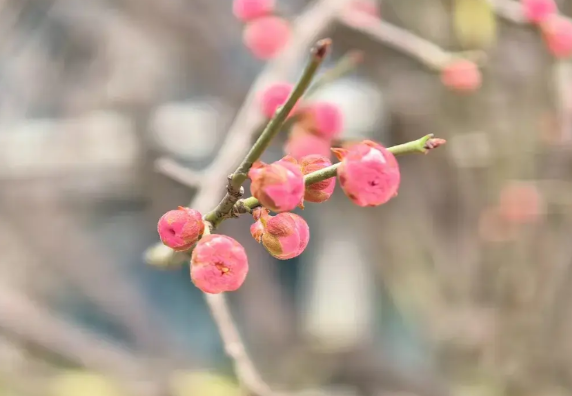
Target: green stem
416	146
318	54
345	65
234	187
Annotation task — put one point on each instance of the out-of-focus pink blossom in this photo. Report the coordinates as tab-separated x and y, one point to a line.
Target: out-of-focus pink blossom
265	37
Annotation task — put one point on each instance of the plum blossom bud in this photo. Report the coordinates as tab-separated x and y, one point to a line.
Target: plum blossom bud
323	119
285	235
537	11
265	37
218	264
461	75
275	96
557	33
368	173
278	186
520	202
302	142
180	229
320	191
247	10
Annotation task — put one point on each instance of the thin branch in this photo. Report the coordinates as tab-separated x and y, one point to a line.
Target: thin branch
180	173
234	188
245	370
422	145
510	10
404	41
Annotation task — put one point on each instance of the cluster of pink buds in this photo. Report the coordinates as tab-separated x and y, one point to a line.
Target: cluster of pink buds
265	34
369	176
317	124
368	173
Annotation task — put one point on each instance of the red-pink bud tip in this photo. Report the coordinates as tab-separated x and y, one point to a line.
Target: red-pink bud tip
340	152
180	229
434	143
218	264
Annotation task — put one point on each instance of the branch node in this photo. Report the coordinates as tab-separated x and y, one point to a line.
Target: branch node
240	208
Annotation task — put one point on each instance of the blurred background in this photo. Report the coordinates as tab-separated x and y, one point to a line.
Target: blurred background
460	286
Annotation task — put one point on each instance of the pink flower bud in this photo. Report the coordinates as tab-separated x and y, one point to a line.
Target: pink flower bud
321	191
278	186
557	33
368	173
265	37
538	10
247	10
275	96
180	229
461	75
285	235
520	202
323	119
218	264
301	143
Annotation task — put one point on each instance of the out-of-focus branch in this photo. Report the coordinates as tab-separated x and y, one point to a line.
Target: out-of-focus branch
192	178
181	174
26	320
404	41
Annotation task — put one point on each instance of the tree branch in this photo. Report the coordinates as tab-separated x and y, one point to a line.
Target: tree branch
422	146
180	173
404	41
234	187
191	178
